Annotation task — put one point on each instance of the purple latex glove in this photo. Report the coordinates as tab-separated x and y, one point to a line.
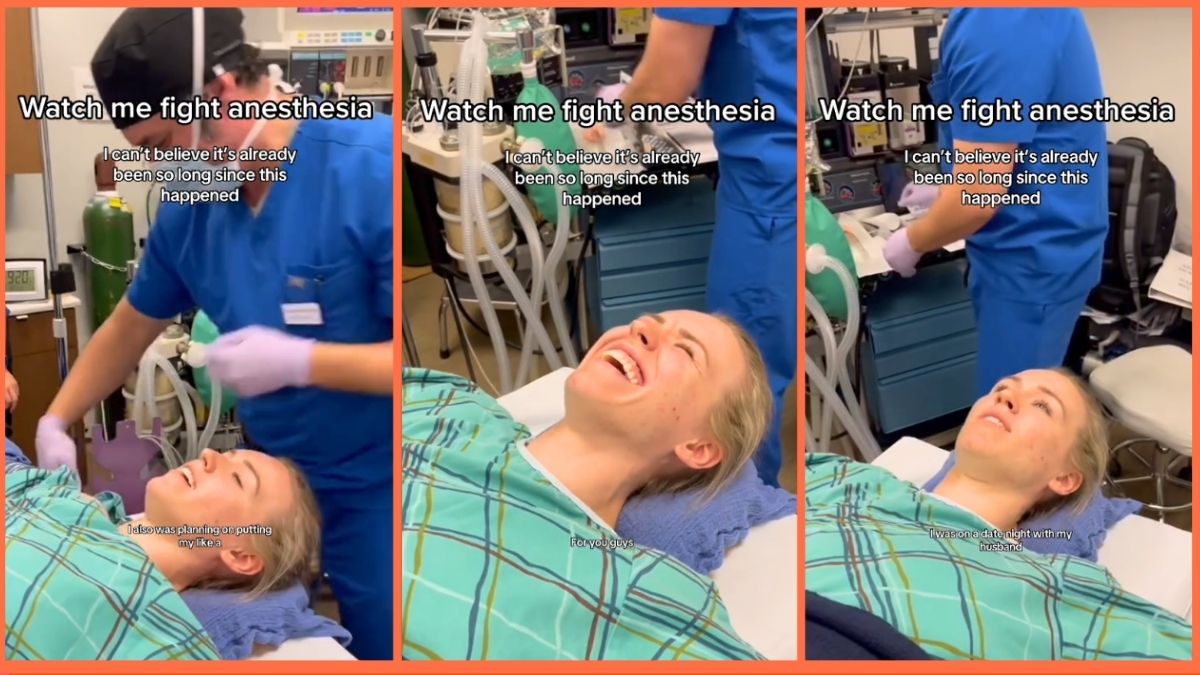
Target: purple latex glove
610	92
54	447
258	360
900	255
918	197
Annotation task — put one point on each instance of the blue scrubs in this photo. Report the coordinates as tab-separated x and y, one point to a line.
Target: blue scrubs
324	235
1032	267
752	263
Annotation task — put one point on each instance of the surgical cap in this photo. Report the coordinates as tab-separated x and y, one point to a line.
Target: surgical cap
146	55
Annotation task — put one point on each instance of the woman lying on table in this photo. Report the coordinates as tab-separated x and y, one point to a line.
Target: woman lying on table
509	543
947	569
84	582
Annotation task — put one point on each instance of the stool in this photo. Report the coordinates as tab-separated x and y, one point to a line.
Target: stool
1149	392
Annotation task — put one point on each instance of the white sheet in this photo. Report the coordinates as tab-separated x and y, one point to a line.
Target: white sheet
304	649
758	581
1148	558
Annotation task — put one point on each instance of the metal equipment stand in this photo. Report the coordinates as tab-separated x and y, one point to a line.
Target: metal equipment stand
411	357
62	277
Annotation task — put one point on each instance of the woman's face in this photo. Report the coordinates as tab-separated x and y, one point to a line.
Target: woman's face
655	382
228	497
1023	432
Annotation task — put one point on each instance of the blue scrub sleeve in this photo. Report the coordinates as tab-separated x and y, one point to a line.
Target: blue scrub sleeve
376	228
702	17
382	251
1005	54
158	291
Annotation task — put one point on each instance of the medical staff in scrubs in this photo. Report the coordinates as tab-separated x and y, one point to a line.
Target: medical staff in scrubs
1031	266
296	274
733	56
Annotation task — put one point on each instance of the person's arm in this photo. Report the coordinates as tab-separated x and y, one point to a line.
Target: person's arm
111	354
1001	55
156	295
949	219
672	63
365	369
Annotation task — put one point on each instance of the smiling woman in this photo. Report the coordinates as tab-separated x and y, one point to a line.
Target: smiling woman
234	498
206	524
699	372
923	562
1054	456
670	401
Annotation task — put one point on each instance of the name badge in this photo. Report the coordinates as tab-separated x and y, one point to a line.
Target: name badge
302	314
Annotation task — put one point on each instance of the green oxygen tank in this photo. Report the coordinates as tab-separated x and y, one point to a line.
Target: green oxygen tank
108	235
821	227
205	332
555	135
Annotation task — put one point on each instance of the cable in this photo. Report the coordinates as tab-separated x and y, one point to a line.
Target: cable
854	59
148	193
470	354
824	13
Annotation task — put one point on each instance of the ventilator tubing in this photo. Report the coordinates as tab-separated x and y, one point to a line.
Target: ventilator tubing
549	282
817	261
837	354
861	437
472	70
144	403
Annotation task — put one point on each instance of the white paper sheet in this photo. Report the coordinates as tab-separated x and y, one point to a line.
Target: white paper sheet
1173	282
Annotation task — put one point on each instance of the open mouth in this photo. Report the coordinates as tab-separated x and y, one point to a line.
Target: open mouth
624	363
186	472
992	419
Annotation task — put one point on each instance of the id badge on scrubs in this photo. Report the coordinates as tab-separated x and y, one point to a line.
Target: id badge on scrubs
302	314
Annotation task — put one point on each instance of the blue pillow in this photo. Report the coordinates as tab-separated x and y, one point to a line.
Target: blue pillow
12	453
698	532
236	625
1088	529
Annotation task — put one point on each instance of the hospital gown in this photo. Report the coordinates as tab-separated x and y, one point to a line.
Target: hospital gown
500	563
76	588
875	542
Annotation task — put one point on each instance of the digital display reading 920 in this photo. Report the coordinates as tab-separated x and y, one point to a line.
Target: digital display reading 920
20	281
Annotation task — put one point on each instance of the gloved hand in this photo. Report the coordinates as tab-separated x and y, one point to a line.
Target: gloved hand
258	360
607	93
900	255
54	447
918	197
610	92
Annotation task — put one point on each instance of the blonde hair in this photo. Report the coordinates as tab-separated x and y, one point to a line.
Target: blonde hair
738	423
290	553
1089	456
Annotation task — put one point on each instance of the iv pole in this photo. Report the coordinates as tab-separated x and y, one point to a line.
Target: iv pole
61	280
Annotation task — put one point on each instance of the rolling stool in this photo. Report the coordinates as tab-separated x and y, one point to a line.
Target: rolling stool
1149	392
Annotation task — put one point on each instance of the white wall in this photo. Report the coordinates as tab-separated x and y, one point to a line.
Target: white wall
1143	53
68	39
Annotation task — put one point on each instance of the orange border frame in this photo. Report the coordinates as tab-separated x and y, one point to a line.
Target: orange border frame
611	667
